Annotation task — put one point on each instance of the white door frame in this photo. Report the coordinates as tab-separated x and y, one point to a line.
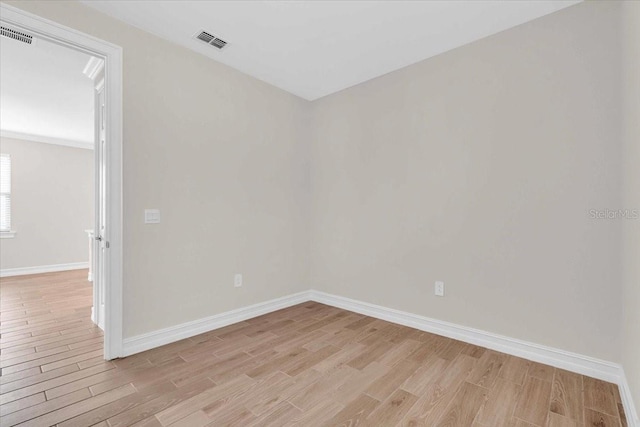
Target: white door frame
112	55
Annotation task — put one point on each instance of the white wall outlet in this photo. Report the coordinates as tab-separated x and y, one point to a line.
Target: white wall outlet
237	280
152	216
439	289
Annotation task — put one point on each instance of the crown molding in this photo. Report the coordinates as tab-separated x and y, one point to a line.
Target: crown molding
46	139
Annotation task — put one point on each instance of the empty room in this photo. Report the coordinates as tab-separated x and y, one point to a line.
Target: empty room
321	213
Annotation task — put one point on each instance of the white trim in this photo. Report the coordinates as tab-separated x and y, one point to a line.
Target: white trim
574	362
22	271
7	234
46	139
112	54
171	334
627	402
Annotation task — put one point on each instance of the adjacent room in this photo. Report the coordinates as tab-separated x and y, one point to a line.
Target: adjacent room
320	213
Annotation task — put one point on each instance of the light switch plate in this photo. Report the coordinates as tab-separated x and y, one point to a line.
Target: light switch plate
439	289
152	216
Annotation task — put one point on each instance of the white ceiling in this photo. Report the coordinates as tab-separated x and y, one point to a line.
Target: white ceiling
315	48
43	92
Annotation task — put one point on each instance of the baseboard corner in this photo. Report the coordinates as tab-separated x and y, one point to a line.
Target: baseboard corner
633	418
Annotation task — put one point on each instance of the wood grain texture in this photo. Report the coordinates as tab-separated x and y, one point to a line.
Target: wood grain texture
307	365
533	403
600	396
500	404
566	395
598	419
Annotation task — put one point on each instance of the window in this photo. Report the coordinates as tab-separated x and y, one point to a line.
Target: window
5	193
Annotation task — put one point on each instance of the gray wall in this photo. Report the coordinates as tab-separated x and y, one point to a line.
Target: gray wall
479	167
51	204
631	231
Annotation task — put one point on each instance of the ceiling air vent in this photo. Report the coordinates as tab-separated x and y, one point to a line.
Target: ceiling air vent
212	40
16	35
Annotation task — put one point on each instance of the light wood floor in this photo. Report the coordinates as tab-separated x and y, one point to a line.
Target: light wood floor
306	365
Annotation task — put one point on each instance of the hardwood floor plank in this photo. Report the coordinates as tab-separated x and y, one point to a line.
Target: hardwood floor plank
238	416
425	376
180	410
384	386
116	407
347	353
487	369
500	404
599	419
514	369
433	402
20	404
533	404
281	415
566	395
156	406
311	360
322	389
285	361
538	370
57	380
465	405
44	408
556	420
391	411
46	361
5	379
356	411
359	382
195	419
373	353
621	414
599	396
317	415
78	408
263	403
18	358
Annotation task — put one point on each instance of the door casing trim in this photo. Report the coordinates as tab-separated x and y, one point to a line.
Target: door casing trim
112	54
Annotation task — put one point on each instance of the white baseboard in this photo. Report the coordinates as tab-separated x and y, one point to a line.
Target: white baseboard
7	272
164	336
627	402
585	365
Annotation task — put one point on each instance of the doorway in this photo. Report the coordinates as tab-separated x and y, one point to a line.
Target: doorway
107	246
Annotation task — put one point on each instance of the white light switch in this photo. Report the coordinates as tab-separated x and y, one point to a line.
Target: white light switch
152	216
237	280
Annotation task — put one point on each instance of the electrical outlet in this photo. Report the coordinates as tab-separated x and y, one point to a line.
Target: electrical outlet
439	289
237	280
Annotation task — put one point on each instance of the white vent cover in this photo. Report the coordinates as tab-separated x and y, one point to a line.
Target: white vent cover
16	35
211	40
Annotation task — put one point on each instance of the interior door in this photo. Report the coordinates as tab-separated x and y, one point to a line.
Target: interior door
101	243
